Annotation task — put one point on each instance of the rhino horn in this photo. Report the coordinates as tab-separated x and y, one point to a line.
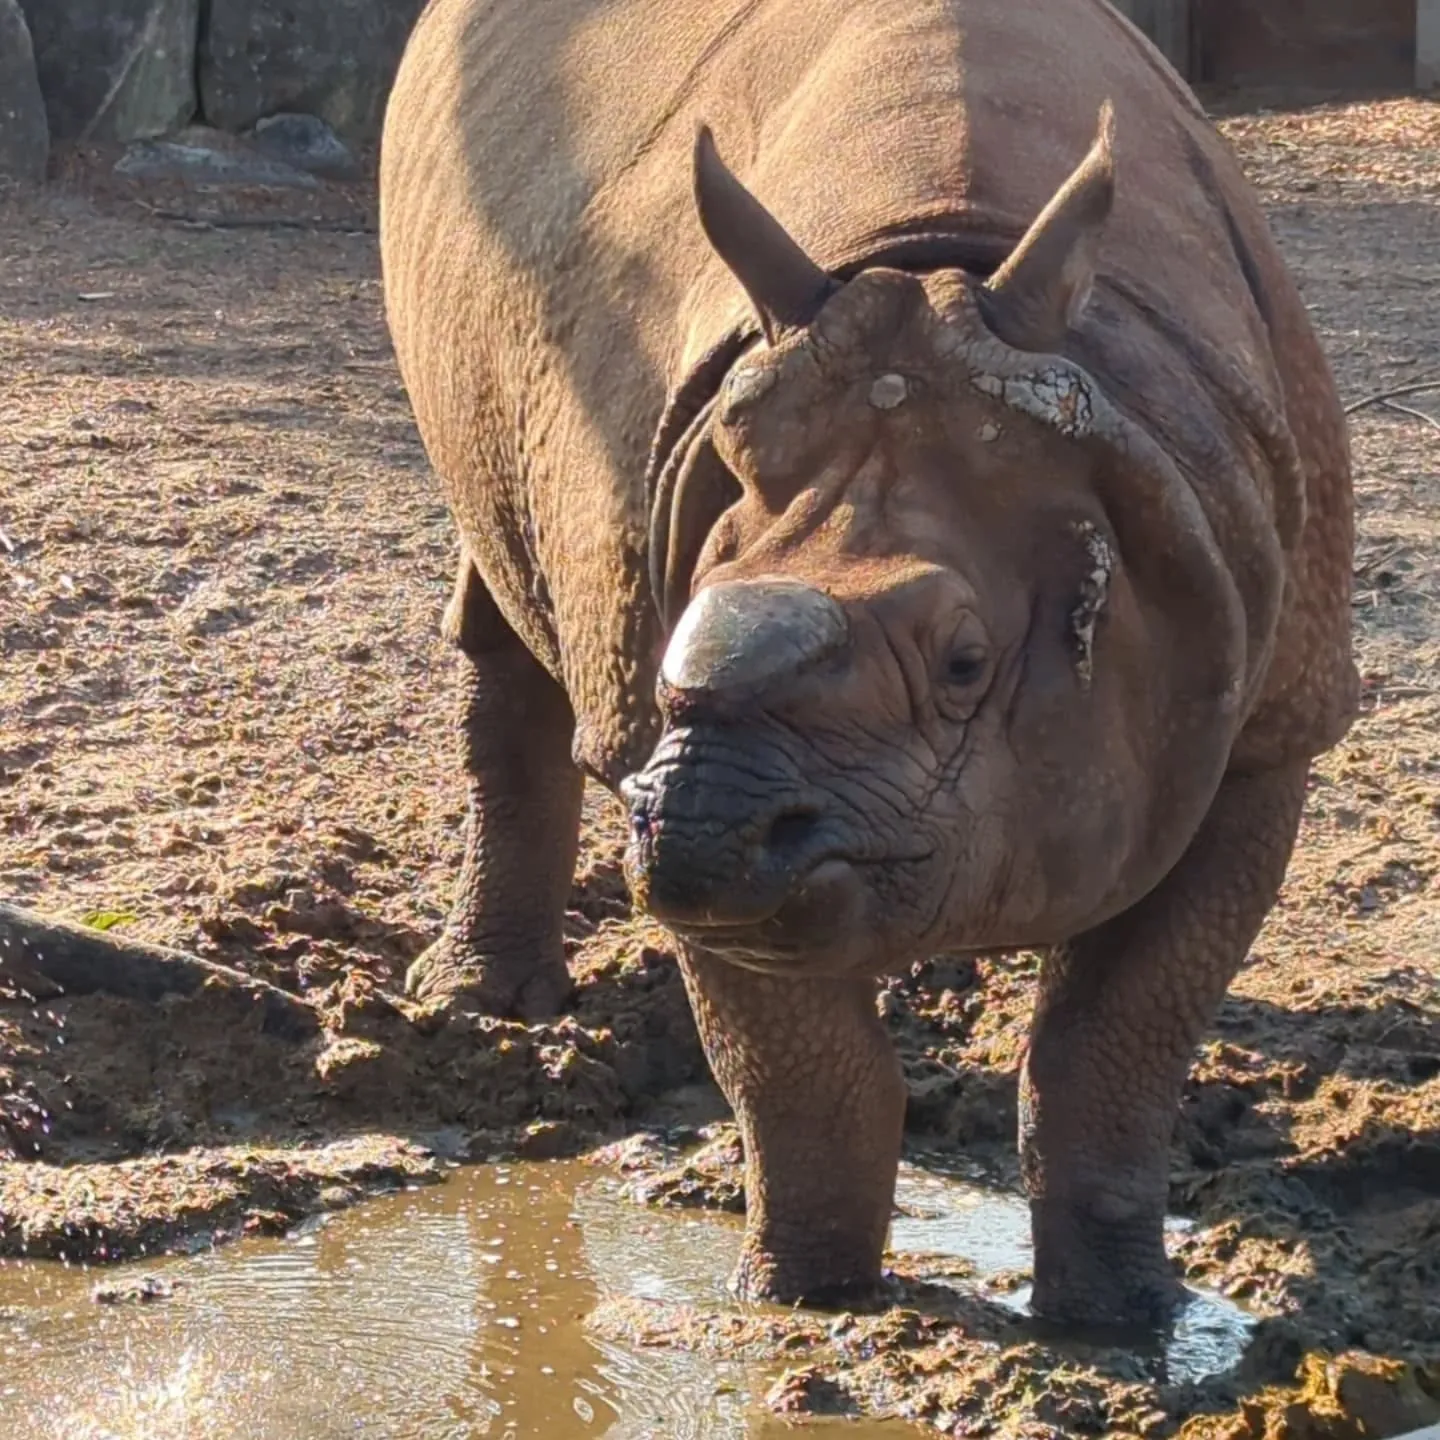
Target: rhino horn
744	636
786	287
1037	295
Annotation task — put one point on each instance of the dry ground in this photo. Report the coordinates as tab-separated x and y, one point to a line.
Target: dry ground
223	713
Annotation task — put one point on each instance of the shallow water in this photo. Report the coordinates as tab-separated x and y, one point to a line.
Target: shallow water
440	1313
436	1314
992	1231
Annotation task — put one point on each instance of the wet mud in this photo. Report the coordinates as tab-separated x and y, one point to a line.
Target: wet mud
222	702
952	1344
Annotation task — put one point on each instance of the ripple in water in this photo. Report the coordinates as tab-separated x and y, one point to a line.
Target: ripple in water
446	1313
442	1313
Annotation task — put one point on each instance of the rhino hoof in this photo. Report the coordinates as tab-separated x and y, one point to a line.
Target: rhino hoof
457	977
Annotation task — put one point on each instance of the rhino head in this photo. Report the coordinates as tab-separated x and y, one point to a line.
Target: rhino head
960	666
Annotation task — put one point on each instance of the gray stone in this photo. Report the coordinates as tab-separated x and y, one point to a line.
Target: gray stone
331	58
204	157
1427	52
1167	23
24	134
115	70
308	143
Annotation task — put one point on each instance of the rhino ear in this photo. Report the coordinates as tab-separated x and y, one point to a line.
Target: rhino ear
1035	297
786	287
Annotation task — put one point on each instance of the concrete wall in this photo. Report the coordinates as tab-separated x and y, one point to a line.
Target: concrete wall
1318	44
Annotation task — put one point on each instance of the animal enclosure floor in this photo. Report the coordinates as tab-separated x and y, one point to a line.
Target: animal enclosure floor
225	724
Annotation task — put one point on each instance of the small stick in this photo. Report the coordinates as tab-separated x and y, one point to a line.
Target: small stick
1374	562
1411	411
1381	396
259	222
1402	692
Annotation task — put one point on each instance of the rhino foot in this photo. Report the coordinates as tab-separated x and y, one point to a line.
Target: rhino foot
1093	1278
824	1283
509	987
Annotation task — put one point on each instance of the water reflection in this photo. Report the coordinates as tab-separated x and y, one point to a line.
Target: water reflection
432	1315
992	1231
435	1313
450	1312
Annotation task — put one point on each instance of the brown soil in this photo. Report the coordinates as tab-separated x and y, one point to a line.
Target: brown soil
223	707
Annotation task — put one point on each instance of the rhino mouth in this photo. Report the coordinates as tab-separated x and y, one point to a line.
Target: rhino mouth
813	915
739	846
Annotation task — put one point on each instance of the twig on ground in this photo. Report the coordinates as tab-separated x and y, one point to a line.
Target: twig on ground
1401	692
1365	564
1411	411
259	222
1381	397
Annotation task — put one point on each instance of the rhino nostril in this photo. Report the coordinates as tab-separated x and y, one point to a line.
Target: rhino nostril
791	830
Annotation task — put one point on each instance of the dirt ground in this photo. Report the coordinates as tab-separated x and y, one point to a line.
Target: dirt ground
223	726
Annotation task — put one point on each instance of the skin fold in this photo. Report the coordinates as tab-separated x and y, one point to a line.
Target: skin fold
888	451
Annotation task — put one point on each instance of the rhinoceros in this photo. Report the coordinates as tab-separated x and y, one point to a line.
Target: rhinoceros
888	451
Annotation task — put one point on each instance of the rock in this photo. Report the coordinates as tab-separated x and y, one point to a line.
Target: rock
307	143
24	132
712	1178
335	59
549	1140
808	1392
115	70
205	157
134	1291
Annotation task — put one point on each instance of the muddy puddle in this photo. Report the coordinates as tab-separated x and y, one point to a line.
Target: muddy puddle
445	1312
942	1216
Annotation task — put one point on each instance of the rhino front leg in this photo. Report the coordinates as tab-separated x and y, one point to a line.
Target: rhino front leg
502	949
1120	1013
817	1089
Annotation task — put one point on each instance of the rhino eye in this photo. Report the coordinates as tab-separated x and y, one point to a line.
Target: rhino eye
966	666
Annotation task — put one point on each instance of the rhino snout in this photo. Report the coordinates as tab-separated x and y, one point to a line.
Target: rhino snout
722	829
728	830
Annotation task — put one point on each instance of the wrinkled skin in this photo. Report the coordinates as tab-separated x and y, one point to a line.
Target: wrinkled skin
911	761
984	586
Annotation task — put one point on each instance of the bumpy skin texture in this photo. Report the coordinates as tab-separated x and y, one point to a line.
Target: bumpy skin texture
1120	1012
1056	465
816	1086
502	949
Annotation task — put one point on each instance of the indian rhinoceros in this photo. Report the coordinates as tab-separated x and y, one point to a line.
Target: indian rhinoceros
939	536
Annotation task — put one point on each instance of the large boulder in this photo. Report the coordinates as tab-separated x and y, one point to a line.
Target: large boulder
115	69
1167	23
24	134
331	58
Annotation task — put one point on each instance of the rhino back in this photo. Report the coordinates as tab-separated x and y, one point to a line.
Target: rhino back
548	285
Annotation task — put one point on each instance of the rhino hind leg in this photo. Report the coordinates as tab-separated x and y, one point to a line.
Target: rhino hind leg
812	1076
1120	1013
502	950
